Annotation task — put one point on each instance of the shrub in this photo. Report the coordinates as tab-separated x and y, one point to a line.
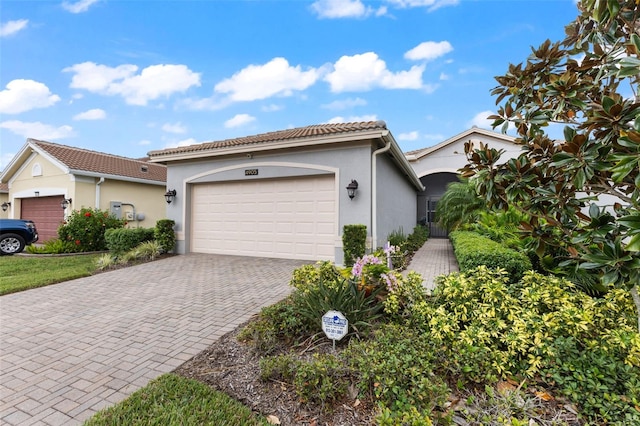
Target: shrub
397	237
53	246
417	238
360	306
276	325
105	261
323	379
308	277
354	242
124	239
85	229
165	235
397	368
473	250
542	328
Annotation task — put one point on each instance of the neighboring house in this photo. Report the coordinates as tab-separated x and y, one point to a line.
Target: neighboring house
438	165
44	176
283	194
4	201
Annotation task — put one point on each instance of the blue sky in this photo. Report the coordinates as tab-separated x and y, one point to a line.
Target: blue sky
128	77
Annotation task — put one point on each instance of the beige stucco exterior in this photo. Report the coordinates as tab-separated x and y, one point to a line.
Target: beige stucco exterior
4	198
39	175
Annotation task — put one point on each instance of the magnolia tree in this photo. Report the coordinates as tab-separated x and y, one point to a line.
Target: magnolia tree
583	192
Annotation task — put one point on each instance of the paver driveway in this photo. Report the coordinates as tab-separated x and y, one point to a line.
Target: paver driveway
71	349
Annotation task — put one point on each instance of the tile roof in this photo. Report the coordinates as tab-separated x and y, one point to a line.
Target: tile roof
101	163
317	130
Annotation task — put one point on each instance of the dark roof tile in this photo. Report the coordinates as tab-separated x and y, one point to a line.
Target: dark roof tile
98	162
317	130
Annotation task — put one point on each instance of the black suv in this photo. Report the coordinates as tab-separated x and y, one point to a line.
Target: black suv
15	234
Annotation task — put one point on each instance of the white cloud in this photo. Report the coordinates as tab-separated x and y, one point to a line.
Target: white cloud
37	130
144	142
272	108
352	119
444	76
12	27
335	9
481	120
367	71
184	142
429	50
152	83
345	104
79	6
239	120
431	5
176	128
24	95
187	142
276	77
92	114
409	136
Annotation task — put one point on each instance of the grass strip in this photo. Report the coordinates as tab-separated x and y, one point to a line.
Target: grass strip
19	273
174	400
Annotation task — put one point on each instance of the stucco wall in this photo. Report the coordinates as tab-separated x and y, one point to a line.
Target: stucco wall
145	199
4	197
346	161
49	180
395	203
450	158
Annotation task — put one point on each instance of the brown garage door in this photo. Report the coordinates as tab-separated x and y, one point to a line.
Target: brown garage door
46	213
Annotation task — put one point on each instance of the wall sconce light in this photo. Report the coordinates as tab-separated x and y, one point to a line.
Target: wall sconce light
65	203
5	206
351	188
170	195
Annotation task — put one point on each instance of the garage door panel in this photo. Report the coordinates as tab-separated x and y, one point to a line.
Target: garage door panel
288	218
45	212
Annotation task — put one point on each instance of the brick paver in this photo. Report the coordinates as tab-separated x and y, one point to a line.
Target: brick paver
71	349
434	258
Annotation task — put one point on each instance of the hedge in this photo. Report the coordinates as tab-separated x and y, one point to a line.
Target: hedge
473	250
124	239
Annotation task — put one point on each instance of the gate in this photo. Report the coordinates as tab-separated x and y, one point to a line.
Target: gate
435	230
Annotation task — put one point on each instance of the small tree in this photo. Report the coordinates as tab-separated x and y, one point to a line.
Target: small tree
589	83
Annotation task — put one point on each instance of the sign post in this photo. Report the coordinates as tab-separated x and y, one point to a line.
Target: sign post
335	326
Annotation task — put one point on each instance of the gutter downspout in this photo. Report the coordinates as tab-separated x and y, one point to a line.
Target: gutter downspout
374	189
100	182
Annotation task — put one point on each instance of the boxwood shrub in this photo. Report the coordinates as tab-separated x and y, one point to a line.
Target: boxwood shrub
473	250
124	239
354	240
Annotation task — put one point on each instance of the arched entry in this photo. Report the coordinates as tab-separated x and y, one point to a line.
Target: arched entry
435	185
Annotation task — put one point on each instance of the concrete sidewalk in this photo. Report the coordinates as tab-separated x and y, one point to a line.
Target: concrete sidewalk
434	258
71	349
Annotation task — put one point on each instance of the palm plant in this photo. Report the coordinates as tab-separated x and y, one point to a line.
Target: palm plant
459	205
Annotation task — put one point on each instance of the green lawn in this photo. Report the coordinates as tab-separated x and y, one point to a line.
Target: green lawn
174	400
19	273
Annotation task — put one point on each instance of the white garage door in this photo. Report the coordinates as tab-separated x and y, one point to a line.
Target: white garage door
291	218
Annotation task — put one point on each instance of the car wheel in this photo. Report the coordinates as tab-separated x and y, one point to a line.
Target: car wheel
11	243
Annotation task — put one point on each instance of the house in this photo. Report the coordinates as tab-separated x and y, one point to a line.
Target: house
284	194
4	200
438	165
46	181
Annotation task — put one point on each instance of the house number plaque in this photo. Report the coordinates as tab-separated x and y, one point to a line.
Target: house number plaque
251	172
